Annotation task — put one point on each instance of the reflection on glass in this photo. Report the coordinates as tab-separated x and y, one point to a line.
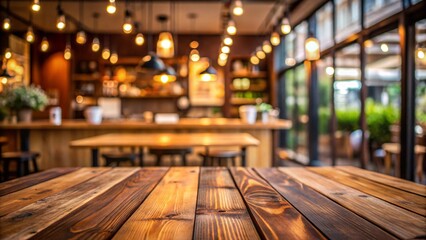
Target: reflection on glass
347	100
325	80
420	79
302	119
301	31
348	16
324	33
290	102
289	49
376	10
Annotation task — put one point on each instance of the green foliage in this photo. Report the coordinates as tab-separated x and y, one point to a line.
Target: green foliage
24	97
324	120
347	119
379	120
264	107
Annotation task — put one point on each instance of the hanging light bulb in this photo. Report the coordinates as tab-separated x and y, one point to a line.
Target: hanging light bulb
208	75
223	56
275	39
7	53
221	62
6	24
225	49
384	47
60	21
111	8
127	25
231	29
266	47
36	6
106	53
238	8
165	45
259	53
193	44
194	55
95	44
80	38
29	36
227	40
420	52
67	52
114	58
139	39
44	45
285	26
166	75
254	60
329	71
312	49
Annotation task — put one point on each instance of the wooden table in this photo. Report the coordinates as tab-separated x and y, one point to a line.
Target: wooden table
173	140
394	149
211	203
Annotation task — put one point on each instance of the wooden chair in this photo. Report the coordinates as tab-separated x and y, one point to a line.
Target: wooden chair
172	152
221	157
115	158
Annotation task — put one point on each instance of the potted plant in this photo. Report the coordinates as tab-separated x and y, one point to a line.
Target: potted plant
23	100
264	108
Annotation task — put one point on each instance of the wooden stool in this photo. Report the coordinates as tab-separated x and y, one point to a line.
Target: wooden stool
220	156
118	157
22	160
172	152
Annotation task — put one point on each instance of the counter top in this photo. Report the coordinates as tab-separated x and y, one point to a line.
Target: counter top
184	123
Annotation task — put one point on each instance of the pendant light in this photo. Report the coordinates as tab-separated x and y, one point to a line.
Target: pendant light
29	36
127	25
259	53
111	8
67	52
231	29
44	46
114	57
106	53
209	74
238	8
285	26
7	53
227	40
165	45
36	6
95	43
139	38
5	76
194	54
81	38
225	49
254	60
165	76
266	47
275	39
60	21
6	20
312	51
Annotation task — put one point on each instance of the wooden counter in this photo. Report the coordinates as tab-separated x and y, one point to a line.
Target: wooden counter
53	141
211	203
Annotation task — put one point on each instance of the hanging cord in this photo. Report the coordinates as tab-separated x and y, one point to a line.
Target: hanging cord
150	26
81	13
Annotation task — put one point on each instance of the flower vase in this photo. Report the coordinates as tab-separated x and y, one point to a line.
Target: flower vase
25	115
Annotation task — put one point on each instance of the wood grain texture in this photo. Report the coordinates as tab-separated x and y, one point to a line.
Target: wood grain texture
17	200
28	221
221	212
409	201
273	215
400	222
169	211
102	217
333	220
33	179
385	179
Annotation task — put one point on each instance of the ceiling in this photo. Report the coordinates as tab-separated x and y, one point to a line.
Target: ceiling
257	17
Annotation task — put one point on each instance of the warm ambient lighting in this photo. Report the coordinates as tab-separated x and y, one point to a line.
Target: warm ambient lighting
254	60
111	8
223	56
193	44
227	40
259	53
231	29
60	21
221	62
44	45
368	43
275	39
67	53
7	53
165	45
329	71
384	47
290	61
95	44
139	39
106	53
312	49
114	58
266	47
420	53
80	38
36	6
225	49
285	26
29	36
6	24
166	75
194	55
208	75
238	8
127	25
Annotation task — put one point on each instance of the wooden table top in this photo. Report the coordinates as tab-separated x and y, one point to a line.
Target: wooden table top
167	140
211	203
395	148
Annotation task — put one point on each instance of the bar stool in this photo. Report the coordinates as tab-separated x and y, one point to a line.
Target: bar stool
172	152
118	157
221	157
22	160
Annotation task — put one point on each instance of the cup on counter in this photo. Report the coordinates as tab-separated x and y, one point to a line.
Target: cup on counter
93	115
248	113
55	115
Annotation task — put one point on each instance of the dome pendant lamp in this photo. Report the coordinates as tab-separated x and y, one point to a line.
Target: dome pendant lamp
165	45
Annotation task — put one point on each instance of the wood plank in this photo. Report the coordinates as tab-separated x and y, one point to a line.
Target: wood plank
17	200
385	179
221	212
274	216
33	218
335	221
33	179
103	216
400	222
409	201
169	211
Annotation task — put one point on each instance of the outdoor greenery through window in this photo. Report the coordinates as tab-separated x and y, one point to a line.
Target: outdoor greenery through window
420	75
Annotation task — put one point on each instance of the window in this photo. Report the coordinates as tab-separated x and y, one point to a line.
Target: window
324	18
290	102
420	78
348	16
289	49
301	31
376	10
302	100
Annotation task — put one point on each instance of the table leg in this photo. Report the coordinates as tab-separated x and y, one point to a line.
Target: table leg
206	157
95	157
243	156
388	162
141	156
397	165
25	140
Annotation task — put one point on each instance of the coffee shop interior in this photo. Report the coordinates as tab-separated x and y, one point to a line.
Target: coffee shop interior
279	82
